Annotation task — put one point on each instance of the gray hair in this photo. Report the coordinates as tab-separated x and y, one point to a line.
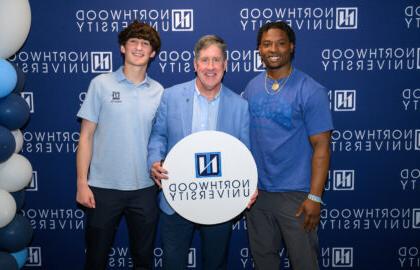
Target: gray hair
207	40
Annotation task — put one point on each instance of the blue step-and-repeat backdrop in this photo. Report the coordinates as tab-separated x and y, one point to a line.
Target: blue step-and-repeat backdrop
366	52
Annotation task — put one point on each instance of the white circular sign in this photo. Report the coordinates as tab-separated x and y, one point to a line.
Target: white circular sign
212	176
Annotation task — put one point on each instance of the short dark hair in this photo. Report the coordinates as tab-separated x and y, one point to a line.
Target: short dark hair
277	25
140	30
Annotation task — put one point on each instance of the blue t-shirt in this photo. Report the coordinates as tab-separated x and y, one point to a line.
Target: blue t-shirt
124	113
281	124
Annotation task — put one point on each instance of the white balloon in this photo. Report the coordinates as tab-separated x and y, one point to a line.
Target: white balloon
18	139
15	22
7	208
15	173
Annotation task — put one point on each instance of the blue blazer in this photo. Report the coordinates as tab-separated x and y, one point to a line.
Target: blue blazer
173	122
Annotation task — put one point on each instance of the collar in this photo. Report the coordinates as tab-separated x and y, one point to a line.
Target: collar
198	93
120	76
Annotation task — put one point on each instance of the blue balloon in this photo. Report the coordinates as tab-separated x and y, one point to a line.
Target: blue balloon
7	262
8	78
21	257
7	144
20	79
16	235
19	197
14	111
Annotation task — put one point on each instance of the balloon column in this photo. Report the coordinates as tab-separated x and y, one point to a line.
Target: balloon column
15	169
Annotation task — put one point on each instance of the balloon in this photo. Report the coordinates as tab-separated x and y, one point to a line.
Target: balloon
7	208
18	139
15	173
16	235
8	262
20	79
15	22
14	111
19	197
21	257
7	144
8	77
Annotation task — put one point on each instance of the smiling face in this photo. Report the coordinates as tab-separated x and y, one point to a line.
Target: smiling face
137	52
210	66
276	49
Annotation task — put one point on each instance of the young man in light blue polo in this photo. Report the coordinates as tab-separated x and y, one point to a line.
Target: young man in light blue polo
112	176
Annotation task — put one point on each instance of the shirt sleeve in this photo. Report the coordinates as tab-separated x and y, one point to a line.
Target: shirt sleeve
92	104
317	114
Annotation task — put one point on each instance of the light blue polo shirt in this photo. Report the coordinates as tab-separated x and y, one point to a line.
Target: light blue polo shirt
124	113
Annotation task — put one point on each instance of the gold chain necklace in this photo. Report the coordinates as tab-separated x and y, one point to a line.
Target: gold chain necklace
276	86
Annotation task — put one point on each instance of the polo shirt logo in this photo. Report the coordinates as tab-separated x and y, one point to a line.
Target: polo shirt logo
116	97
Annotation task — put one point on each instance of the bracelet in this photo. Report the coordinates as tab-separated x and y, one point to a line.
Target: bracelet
315	198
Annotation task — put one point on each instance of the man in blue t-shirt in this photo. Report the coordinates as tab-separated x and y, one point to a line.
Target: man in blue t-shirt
112	176
290	137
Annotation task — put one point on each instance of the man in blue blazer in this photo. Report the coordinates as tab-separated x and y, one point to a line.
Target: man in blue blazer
201	104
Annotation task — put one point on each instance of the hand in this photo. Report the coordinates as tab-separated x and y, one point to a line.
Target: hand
312	212
253	199
85	196
157	172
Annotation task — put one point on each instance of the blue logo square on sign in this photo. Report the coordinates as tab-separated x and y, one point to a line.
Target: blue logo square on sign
208	164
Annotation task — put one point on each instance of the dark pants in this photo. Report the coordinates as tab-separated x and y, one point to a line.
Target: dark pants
272	220
141	213
177	233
